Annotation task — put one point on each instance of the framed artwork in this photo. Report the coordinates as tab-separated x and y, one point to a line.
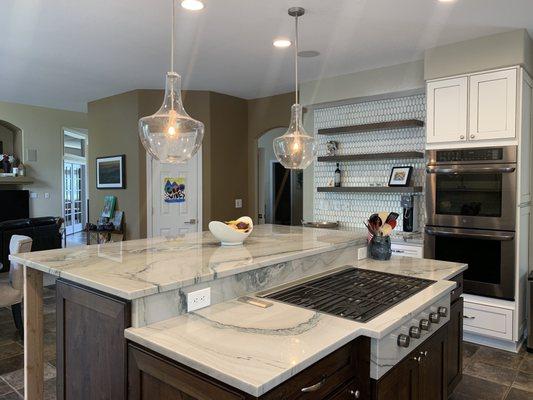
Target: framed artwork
400	176
111	172
174	190
109	206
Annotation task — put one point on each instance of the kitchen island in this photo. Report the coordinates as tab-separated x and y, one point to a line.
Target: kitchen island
140	287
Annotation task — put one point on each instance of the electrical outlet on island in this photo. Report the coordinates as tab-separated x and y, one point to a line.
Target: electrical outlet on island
198	299
238	203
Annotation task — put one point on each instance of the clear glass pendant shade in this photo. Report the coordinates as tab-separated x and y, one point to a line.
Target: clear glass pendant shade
296	149
171	135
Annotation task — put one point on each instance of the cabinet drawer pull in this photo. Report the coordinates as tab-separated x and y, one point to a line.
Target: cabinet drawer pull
462	137
468	317
315	387
354	393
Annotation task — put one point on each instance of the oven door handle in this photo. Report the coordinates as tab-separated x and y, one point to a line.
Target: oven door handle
499	236
430	169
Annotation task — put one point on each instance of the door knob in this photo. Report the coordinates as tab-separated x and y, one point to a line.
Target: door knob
192	221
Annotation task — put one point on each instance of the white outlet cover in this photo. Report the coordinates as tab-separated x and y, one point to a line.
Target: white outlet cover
362	253
34	195
47	195
238	203
198	299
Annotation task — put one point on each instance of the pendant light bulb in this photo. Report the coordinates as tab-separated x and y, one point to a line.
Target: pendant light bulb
171	135
295	149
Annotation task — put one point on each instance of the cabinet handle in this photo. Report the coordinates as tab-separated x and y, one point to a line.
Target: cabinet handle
354	393
472	136
468	317
417	359
424	353
315	387
462	137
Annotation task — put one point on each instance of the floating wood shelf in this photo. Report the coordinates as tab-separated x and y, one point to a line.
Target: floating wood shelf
377	126
15	180
376	156
371	189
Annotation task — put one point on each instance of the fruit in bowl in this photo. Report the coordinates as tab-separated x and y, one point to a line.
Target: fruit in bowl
232	233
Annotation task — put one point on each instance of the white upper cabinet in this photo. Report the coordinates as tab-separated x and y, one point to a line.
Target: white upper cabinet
447	110
477	107
493	105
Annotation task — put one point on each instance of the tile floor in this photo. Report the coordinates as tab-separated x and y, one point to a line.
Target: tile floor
488	373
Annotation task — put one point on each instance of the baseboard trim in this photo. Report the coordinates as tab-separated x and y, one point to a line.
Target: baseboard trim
491	342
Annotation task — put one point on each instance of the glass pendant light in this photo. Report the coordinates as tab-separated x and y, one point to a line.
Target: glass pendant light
171	135
296	149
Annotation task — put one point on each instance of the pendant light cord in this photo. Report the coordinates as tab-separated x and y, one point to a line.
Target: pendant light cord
172	38
296	59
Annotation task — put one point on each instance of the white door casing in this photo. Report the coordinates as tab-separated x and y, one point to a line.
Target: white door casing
167	218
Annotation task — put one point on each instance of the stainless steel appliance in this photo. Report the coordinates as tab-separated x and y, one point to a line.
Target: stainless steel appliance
409	205
362	295
471	215
530	318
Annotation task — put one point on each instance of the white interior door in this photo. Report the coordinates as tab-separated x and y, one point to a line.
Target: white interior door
176	197
73	186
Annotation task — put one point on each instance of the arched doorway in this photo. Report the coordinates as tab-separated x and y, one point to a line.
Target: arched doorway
279	191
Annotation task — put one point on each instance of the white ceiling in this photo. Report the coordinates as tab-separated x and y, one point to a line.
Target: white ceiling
64	53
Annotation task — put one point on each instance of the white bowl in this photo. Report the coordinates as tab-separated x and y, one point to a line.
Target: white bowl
229	236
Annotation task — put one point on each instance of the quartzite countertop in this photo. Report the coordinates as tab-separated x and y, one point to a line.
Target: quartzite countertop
139	268
255	349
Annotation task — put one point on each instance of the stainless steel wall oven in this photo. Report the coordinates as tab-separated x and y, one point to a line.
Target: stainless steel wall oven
471	215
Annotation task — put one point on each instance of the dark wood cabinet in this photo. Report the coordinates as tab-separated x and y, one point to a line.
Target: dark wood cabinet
455	345
91	349
421	375
337	376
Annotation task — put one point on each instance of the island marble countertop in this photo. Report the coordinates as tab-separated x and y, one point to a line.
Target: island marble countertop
255	349
139	268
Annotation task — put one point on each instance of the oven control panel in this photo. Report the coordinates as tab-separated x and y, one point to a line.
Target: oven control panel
487	154
388	351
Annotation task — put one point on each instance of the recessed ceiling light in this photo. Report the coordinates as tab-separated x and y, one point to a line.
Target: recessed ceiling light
281	43
308	53
193	5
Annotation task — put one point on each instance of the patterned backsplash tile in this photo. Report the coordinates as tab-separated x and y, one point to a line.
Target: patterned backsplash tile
351	209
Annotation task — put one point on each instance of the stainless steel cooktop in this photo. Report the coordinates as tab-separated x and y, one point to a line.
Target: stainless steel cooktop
352	293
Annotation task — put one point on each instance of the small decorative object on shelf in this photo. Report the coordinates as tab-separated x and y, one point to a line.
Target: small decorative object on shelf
331	147
400	176
337	176
109	206
6	164
380	226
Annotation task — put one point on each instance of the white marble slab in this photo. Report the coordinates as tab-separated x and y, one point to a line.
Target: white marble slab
415	267
138	268
255	349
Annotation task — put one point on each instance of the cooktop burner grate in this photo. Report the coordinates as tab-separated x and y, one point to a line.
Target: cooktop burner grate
354	293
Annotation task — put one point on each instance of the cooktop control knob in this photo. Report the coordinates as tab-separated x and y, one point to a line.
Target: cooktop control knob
434	317
424	324
403	340
414	332
443	311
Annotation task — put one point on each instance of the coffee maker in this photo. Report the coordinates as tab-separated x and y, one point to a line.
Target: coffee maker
410	212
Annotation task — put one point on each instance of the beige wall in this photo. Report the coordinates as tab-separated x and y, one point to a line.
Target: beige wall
228	156
264	114
488	52
42	130
113	130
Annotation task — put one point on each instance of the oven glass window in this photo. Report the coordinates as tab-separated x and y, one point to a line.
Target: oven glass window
469	194
482	256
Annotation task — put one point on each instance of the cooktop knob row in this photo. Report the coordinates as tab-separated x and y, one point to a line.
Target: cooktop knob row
403	340
414	332
434	317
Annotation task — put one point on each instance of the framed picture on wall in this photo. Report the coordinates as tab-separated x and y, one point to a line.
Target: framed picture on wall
111	172
400	176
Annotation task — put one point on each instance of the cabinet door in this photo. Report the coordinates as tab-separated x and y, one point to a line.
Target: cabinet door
91	349
493	105
433	381
447	110
455	344
400	383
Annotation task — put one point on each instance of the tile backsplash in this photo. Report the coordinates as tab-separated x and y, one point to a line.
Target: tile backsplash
351	209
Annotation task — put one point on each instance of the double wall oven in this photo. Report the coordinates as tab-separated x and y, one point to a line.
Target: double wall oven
471	215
